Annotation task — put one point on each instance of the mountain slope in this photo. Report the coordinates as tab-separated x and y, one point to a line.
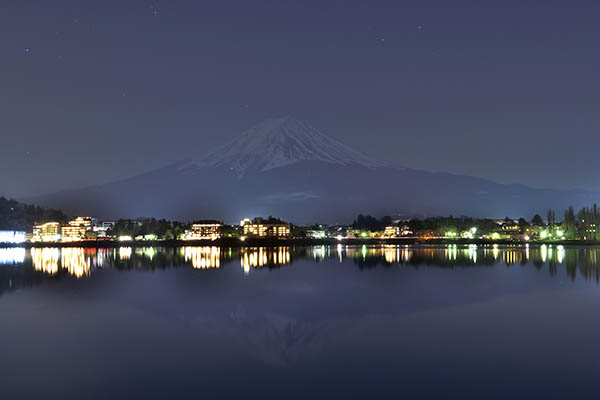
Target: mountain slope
279	142
284	167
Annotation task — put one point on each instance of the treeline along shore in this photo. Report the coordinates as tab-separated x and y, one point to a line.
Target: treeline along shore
31	226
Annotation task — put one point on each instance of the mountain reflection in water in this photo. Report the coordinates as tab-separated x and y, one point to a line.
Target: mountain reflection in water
339	321
21	267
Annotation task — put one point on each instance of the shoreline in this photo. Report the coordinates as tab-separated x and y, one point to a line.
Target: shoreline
230	242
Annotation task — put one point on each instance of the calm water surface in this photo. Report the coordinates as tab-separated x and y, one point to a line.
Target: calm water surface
325	322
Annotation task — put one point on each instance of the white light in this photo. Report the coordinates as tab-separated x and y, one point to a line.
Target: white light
12	237
125	238
12	256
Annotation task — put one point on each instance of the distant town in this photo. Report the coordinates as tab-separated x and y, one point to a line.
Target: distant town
574	226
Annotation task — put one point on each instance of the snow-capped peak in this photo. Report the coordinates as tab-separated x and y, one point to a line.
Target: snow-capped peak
278	142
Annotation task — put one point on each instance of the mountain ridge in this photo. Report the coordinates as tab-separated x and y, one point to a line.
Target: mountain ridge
286	168
278	142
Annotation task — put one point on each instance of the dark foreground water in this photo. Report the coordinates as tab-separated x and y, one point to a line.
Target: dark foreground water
323	322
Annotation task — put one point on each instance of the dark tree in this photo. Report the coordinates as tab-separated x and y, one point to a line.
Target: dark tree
537	220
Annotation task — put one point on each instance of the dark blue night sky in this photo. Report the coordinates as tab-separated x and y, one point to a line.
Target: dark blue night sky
96	91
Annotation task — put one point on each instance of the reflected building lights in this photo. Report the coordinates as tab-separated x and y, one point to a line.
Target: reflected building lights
258	257
203	257
544	252
473	252
125	253
495	251
406	254
511	257
560	253
147	252
391	254
318	253
12	256
45	260
81	262
451	252
75	262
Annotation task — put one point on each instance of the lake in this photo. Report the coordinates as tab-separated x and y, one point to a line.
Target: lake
297	322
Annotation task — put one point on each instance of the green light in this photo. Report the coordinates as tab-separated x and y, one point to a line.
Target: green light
544	234
559	233
363	234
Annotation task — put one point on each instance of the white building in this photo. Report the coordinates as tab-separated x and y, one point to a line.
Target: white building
12	237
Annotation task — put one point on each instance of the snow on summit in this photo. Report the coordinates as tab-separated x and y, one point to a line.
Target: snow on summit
278	142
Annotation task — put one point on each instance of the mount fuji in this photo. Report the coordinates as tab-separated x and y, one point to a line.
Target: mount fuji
280	142
285	167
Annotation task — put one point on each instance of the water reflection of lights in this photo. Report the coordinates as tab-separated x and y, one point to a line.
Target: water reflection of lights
406	254
203	257
451	252
81	262
75	262
102	256
511	256
319	252
472	251
391	253
544	252
560	253
125	253
148	252
258	257
495	251
13	255
45	260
